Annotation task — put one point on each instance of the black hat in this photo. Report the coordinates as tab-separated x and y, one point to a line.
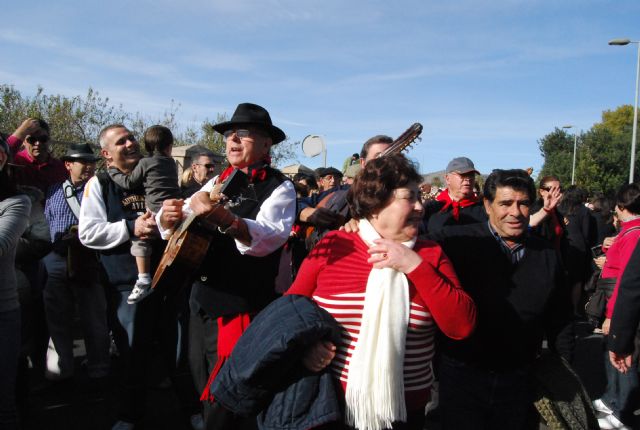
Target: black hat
79	151
251	114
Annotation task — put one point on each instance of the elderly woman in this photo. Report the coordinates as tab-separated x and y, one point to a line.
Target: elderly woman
14	213
388	291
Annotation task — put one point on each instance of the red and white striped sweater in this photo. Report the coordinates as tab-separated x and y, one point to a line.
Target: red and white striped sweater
335	275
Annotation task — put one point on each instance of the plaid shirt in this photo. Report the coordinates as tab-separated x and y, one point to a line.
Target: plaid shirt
515	253
58	212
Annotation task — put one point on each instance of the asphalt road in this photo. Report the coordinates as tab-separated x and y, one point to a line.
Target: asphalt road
82	404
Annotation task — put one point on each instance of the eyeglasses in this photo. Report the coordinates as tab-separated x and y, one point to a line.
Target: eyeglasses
410	196
208	165
241	133
33	139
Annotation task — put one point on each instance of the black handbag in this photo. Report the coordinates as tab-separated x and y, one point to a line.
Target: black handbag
597	303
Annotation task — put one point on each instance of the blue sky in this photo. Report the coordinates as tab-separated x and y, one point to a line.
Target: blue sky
487	79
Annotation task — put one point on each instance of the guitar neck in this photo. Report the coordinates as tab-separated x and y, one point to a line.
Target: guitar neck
405	140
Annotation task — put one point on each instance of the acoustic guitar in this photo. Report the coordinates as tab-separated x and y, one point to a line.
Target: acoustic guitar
337	202
191	239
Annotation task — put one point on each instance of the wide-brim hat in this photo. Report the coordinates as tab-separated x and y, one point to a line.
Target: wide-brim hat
252	114
79	151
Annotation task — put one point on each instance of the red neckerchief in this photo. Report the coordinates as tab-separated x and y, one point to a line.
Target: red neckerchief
229	331
455	205
257	172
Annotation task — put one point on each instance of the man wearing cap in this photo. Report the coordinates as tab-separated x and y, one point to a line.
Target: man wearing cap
72	275
458	203
37	167
237	277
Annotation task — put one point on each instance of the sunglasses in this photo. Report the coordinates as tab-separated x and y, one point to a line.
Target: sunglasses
549	189
33	139
208	165
242	133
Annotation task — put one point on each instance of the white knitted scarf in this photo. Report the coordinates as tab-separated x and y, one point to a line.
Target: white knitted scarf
375	385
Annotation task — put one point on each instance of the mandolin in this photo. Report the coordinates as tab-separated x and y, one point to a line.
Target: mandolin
189	243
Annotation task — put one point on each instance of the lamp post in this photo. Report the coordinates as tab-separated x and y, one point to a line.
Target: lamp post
575	145
622	42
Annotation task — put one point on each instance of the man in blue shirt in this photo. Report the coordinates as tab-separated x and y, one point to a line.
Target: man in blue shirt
72	275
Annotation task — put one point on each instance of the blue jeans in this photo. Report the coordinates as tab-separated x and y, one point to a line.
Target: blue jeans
9	352
622	393
475	398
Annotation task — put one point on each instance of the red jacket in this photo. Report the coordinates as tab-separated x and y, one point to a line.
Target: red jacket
617	257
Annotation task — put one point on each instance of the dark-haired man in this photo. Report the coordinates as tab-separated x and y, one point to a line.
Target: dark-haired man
517	283
37	167
458	203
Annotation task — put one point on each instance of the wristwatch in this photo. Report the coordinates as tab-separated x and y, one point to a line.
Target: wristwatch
232	228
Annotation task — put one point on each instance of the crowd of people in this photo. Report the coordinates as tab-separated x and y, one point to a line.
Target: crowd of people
333	301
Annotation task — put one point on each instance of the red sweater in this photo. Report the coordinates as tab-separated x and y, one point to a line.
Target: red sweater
32	172
335	275
617	257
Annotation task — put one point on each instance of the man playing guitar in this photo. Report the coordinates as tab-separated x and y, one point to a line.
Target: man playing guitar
236	278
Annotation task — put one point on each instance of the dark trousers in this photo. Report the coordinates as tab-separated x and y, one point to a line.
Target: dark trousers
622	391
9	352
473	398
141	331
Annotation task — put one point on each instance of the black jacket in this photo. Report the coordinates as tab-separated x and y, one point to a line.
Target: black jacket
434	220
265	372
517	304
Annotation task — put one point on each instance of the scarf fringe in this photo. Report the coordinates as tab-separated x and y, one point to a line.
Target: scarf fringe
375	383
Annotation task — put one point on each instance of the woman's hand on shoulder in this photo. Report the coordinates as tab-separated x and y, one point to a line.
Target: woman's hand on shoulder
319	355
388	253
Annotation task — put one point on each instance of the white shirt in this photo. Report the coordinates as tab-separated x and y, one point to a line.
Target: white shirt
94	230
272	226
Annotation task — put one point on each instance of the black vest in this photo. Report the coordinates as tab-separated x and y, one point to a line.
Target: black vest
118	263
229	283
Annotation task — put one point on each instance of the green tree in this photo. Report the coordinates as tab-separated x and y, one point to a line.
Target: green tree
602	162
79	119
557	150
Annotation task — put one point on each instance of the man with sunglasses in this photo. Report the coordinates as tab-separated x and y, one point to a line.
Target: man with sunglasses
203	169
36	166
458	204
237	276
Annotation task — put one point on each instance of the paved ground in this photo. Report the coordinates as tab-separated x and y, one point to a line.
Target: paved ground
82	405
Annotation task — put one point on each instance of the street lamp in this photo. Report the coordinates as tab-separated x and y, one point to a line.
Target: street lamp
575	145
622	42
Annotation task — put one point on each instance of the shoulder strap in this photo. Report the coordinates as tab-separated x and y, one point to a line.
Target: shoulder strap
630	230
70	196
